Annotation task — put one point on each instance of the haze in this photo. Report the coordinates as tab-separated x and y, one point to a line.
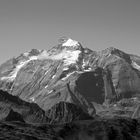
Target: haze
97	24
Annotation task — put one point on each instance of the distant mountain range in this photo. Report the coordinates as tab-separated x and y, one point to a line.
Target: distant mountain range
69	83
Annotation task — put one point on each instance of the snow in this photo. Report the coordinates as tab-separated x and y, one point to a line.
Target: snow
50	91
53	76
26	54
68	56
109	55
71	57
33	58
70	43
32	99
89	69
43	55
46	72
14	73
84	64
135	65
66	68
67	76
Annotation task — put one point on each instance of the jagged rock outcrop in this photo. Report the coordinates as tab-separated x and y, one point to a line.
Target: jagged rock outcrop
14	109
64	112
14	116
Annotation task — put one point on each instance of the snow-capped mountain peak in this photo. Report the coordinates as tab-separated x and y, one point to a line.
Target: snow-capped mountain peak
69	54
70	43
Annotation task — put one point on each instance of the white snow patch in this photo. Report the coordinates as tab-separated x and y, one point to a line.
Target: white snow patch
70	43
32	99
50	91
109	55
135	65
66	68
69	57
79	72
44	55
67	76
53	76
84	64
26	54
46	86
46	72
89	69
33	58
14	73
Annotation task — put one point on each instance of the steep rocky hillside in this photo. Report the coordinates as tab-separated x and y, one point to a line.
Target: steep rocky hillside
14	109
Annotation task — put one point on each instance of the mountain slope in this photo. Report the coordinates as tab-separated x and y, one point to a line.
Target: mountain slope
14	109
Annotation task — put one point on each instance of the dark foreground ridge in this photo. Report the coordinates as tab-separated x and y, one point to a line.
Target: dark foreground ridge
96	129
14	109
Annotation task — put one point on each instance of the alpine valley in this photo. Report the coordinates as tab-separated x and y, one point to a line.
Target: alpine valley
70	93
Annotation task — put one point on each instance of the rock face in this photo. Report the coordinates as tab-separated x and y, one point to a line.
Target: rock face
14	109
72	74
66	112
14	116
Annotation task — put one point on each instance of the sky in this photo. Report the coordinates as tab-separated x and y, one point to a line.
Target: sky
96	24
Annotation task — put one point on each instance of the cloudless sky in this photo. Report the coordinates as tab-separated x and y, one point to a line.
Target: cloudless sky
97	24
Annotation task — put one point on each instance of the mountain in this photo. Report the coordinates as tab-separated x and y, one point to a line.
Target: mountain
70	92
46	77
68	72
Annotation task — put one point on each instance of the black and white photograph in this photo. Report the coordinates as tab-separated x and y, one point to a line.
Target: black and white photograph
69	69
